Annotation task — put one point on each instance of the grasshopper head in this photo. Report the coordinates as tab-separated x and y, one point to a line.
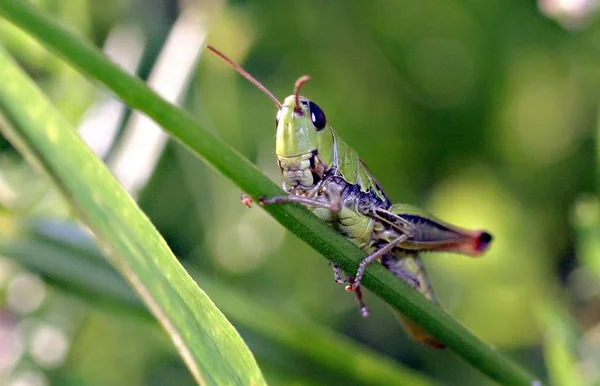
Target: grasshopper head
304	142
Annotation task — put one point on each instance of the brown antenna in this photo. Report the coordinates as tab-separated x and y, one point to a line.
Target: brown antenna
299	83
243	72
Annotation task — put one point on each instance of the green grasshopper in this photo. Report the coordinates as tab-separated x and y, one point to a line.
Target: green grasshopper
321	172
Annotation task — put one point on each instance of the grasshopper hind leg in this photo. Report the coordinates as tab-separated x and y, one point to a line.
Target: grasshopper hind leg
389	263
410	278
378	254
400	263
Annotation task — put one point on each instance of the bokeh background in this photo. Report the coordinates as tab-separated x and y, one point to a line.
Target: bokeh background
484	113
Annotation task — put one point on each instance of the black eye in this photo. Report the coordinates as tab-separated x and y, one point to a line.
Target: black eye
317	116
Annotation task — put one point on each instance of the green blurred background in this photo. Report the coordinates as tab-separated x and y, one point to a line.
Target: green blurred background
483	113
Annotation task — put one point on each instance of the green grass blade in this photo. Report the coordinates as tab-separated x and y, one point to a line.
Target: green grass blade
211	348
58	251
298	220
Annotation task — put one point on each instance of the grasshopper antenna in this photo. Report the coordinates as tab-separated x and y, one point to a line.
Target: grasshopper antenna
299	83
243	72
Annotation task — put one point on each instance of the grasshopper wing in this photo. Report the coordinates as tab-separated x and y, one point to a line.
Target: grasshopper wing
433	234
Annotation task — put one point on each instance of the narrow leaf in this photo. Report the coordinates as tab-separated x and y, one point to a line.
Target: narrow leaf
209	345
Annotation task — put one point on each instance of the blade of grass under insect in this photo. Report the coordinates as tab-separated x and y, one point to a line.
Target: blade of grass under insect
298	220
64	255
211	348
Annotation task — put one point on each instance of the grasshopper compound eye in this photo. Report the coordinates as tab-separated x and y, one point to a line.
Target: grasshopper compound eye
317	116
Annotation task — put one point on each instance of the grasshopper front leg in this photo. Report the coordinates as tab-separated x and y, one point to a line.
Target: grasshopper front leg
332	204
330	199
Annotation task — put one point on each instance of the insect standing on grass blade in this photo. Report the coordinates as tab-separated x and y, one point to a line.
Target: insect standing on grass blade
321	172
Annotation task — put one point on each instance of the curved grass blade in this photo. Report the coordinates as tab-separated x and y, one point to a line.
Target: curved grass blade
61	253
298	220
211	348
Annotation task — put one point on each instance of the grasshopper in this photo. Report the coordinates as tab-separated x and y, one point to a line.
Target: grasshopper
323	173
